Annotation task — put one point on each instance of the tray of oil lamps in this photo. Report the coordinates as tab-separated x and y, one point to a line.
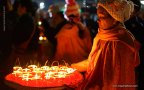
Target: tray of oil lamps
44	76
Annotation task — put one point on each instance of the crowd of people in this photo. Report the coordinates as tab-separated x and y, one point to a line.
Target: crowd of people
109	52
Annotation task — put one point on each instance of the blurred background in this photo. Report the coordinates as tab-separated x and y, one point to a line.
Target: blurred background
86	5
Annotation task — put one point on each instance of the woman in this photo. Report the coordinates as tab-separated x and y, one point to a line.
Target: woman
114	55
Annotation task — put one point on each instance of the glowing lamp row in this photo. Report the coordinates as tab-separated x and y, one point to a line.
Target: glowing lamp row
44	72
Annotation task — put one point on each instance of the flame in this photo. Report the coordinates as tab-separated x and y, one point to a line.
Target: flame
33	72
41	38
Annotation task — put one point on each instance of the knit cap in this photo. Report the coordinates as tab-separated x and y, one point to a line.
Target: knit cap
71	8
120	10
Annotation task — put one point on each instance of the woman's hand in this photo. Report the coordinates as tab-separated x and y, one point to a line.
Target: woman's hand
81	66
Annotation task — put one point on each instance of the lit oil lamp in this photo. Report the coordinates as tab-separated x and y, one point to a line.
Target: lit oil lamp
26	76
17	73
61	74
17	68
32	67
47	76
45	68
37	71
70	70
26	70
55	68
33	72
36	77
44	76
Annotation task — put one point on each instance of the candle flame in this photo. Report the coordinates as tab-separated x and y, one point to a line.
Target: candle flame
33	72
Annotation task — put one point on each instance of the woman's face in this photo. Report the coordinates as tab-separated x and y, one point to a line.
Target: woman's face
105	21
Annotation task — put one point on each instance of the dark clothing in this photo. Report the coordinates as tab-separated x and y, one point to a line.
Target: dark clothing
7	22
136	26
22	33
23	29
92	27
6	40
33	45
51	32
6	33
14	30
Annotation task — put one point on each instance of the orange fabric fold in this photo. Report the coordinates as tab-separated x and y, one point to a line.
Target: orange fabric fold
112	61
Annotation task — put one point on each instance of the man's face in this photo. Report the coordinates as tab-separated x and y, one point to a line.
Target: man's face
74	18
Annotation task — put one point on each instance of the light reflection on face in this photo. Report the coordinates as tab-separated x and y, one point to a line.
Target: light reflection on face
50	15
104	18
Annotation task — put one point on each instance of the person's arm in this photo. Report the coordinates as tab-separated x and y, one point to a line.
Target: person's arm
81	66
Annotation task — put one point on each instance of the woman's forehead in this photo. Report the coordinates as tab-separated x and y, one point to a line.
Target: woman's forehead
102	12
100	8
